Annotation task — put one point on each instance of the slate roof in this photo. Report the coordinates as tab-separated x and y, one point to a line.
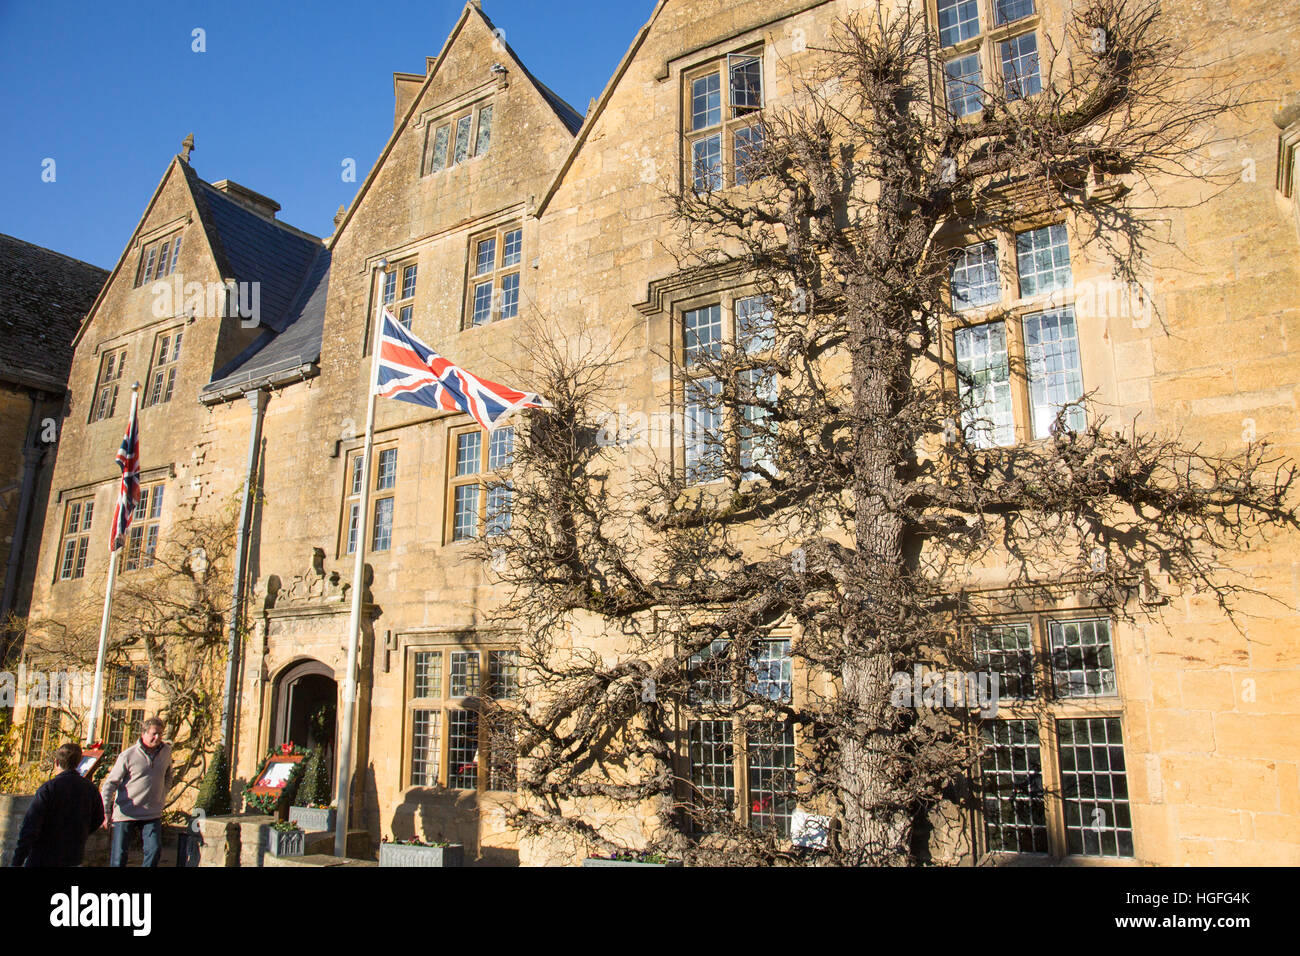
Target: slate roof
253	248
275	356
570	117
46	295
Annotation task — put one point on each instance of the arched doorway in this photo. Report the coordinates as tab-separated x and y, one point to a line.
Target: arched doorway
306	702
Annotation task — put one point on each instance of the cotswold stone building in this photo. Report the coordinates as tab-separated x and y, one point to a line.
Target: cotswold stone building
494	200
47	295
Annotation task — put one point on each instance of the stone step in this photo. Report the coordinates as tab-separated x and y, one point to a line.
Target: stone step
240	841
359	844
315	859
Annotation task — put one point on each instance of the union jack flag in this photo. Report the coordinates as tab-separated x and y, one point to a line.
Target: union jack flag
410	371
128	494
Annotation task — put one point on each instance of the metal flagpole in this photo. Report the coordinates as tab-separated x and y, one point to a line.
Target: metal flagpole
344	793
98	698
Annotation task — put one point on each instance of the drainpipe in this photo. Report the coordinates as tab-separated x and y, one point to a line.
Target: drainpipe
257	401
32	455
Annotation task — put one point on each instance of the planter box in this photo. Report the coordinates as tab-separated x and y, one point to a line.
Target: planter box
594	861
285	842
393	854
313	819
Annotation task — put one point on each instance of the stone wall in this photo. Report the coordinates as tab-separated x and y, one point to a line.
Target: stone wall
12	809
1208	710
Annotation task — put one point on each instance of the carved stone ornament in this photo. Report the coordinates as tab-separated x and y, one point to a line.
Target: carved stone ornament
314	587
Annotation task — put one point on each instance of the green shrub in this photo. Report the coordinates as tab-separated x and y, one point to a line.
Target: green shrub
314	789
214	792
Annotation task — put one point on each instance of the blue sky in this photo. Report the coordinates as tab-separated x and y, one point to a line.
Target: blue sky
284	92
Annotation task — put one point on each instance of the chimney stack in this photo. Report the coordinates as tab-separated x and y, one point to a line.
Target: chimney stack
253	201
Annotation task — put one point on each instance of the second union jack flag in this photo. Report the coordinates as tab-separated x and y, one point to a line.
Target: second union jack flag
128	495
410	371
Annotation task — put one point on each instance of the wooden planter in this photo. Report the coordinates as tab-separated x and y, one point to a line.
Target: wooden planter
285	842
314	819
396	854
595	861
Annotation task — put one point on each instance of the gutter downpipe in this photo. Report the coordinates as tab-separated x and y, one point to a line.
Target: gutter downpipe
257	401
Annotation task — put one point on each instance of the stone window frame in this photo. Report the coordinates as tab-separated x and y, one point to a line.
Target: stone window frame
986	44
1287	120
488	476
126	692
734	118
158	258
726	299
709	712
74	543
141	547
1011	310
1044	710
41	725
166	355
494	277
352	528
472	116
398	289
445	704
112	370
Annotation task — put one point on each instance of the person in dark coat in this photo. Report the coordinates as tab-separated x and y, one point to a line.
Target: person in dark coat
66	811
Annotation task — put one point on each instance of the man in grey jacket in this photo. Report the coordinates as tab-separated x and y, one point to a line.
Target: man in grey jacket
134	792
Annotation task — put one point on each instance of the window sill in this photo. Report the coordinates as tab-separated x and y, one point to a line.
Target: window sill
451	169
1009	859
962	47
470	327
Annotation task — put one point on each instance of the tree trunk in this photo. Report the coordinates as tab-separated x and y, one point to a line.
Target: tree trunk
877	827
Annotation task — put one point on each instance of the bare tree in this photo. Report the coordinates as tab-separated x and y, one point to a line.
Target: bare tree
168	613
840	476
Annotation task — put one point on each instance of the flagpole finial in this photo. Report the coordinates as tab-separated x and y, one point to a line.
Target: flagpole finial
381	265
135	386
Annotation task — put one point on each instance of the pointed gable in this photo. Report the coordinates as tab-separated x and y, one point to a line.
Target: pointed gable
565	113
645	93
466	59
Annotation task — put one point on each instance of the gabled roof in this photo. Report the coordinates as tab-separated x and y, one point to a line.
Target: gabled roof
280	357
46	295
585	126
245	246
254	248
569	118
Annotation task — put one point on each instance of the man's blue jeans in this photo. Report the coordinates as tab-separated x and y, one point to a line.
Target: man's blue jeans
122	833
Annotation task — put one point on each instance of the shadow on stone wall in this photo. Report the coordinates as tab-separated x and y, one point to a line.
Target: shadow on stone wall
435	815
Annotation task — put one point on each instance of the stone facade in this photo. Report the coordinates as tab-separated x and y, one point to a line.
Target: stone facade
1208	711
47	295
